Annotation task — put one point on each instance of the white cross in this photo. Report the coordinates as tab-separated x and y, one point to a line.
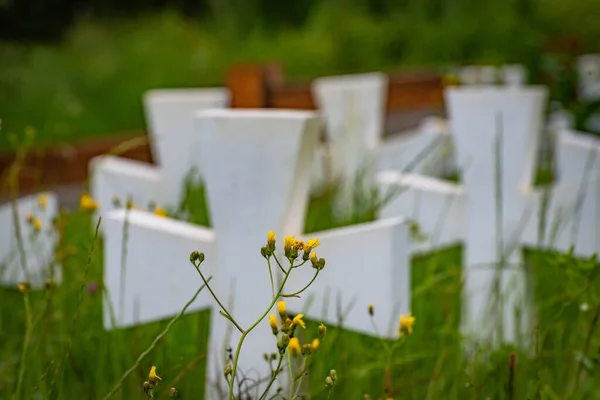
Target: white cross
256	165
169	113
507	120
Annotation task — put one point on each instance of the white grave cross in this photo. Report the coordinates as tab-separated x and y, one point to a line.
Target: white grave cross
170	119
496	210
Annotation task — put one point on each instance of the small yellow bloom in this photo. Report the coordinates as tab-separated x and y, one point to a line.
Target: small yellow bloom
322	330
42	201
273	323
271	238
406	324
160	212
37	224
315	344
298	244
298	321
22	287
371	310
152	377
87	203
314	259
294	347
311	244
288	244
130	205
281	307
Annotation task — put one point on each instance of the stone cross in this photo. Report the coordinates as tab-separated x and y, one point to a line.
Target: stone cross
256	165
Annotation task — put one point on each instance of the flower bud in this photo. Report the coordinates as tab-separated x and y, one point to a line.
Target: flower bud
371	311
172	393
228	370
322	330
196	257
146	386
328	382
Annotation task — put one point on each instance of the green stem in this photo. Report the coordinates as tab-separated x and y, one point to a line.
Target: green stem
291	372
154	342
303	289
271	276
273	376
245	333
227	314
26	341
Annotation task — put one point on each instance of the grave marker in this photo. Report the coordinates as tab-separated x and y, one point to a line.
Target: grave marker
174	144
507	121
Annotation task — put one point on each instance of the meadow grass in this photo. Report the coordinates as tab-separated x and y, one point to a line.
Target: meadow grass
430	365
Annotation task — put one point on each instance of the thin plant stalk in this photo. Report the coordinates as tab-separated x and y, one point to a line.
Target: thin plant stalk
154	342
247	331
27	339
75	315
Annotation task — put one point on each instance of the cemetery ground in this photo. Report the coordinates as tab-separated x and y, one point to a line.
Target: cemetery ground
54	345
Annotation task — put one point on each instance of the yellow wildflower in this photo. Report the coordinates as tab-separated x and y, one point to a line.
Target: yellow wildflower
288	244
160	212
371	310
311	244
271	238
322	330
406	324
22	287
315	344
298	244
281	307
37	224
273	323
313	259
294	347
42	201
298	321
152	377
87	203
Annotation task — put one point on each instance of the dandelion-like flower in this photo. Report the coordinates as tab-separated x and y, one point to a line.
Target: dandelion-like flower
315	344
294	347
322	330
37	224
406	324
42	201
152	377
298	244
314	259
281	307
160	212
23	287
311	244
288	244
298	321
273	323
271	238
87	203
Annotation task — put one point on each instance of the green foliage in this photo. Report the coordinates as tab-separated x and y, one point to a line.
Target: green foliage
91	84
